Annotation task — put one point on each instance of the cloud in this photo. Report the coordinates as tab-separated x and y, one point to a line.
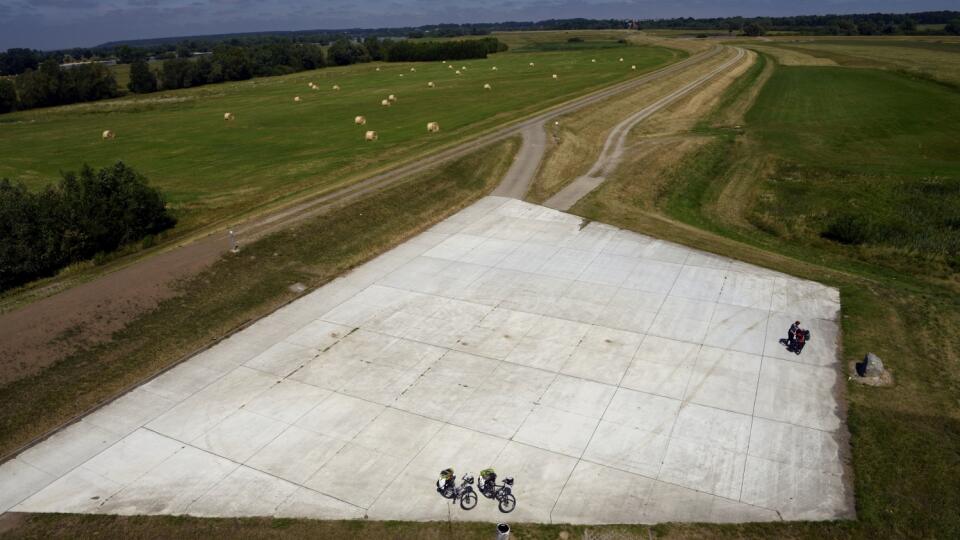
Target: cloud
52	24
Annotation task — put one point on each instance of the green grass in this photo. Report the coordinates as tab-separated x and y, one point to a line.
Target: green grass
873	149
240	288
814	121
276	148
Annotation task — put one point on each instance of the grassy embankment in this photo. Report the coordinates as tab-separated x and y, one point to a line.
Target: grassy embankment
819	144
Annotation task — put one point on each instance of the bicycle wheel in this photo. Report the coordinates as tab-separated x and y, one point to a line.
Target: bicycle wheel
508	503
468	501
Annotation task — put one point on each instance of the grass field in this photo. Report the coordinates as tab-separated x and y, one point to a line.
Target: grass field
276	148
874	143
936	57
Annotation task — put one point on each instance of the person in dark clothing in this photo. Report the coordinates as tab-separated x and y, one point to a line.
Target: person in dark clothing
790	342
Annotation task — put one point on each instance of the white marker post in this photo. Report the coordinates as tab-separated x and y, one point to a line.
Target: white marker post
234	245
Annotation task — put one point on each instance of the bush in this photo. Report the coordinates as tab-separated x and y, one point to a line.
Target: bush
8	96
575	40
86	214
847	229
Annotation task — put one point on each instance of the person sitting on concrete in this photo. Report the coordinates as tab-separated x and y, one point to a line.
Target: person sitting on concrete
800	339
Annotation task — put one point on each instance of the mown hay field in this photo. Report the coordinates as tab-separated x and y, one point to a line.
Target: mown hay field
275	148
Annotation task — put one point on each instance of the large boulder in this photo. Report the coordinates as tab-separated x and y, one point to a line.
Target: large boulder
871	366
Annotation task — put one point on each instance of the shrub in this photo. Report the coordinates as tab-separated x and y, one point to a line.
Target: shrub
847	229
86	215
575	40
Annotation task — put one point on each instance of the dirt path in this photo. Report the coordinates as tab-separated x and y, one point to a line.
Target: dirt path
615	143
41	333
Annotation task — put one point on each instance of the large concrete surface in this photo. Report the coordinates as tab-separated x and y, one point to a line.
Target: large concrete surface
618	378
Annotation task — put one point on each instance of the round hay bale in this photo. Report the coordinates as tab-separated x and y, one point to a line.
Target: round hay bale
463	68
531	64
430	84
555	76
107	134
487	86
336	88
296	99
413	69
633	66
457	72
494	68
621	59
593	60
385	102
370	136
228	116
450	66
310	84
433	127
359	120
378	68
392	98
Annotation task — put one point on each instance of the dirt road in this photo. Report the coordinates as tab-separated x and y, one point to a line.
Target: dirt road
40	333
615	143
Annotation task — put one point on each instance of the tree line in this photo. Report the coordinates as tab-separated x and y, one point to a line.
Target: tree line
853	24
50	84
88	213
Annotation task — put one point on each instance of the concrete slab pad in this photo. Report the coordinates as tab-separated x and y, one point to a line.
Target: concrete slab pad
703	467
724	379
356	475
20	480
616	377
296	454
306	503
172	486
662	366
797	394
202	411
797	493
133	456
239	436
643	411
244	492
130	412
282	359
69	448
627	448
340	416
287	401
584	497
79	491
557	431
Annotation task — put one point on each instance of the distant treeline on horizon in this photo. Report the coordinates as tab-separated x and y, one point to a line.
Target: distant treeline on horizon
48	83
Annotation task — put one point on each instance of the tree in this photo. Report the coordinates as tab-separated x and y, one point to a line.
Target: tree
953	27
16	61
908	25
8	96
127	55
753	29
867	28
733	25
344	52
142	78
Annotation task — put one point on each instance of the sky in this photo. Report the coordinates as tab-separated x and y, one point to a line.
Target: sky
54	24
